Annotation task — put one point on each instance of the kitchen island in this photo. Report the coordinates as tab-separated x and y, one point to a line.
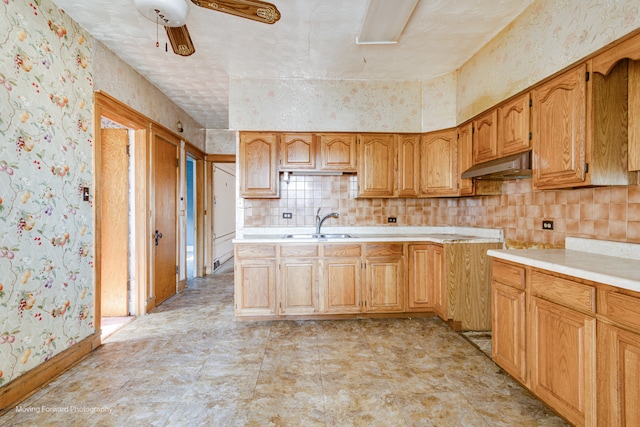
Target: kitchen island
376	272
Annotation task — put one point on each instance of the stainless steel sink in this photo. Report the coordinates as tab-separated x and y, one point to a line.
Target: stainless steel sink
320	236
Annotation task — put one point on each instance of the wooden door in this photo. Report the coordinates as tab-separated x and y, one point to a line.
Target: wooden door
165	220
562	356
408	165
439	156
508	329
513	126
376	165
297	151
338	152
558	116
114	227
485	137
465	157
259	165
420	290
618	376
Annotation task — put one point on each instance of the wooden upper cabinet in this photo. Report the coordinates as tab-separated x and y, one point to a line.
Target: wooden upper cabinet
338	152
513	126
485	137
258	155
408	165
465	157
376	165
576	142
439	157
297	151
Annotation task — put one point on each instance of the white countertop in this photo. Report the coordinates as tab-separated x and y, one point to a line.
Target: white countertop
611	263
375	234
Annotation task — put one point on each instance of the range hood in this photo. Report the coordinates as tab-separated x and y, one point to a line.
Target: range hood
510	167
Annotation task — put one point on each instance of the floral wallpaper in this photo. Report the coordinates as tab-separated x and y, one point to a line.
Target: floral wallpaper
46	157
325	105
548	36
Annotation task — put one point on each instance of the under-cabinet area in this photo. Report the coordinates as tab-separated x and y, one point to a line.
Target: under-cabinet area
366	276
566	324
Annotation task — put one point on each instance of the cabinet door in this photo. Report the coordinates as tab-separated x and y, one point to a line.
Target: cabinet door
299	289
376	165
618	376
439	156
384	285
342	285
297	151
259	165
465	157
436	270
420	289
559	115
563	365
255	287
338	152
408	165
508	329
513	126
485	137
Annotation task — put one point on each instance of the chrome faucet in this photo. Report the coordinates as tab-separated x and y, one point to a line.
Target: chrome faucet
319	220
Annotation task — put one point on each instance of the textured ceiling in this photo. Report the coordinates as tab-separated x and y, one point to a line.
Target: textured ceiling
314	39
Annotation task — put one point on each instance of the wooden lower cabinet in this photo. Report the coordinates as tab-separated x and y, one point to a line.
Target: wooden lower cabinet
342	285
255	287
618	376
419	272
508	335
299	286
384	283
438	278
508	304
563	360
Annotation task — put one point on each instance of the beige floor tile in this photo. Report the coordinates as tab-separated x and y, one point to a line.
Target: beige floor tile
190	363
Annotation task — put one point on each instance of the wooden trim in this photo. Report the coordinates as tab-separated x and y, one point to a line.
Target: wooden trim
221	158
29	383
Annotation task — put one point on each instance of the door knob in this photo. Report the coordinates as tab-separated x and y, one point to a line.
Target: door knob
158	237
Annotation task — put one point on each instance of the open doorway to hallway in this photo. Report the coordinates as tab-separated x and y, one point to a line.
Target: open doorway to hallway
191	217
118	288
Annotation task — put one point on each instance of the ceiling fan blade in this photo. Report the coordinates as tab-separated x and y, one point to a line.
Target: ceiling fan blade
180	40
256	10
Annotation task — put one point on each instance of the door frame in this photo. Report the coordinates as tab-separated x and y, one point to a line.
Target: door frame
112	109
200	212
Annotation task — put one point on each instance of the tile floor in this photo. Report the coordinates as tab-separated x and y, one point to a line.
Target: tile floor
189	363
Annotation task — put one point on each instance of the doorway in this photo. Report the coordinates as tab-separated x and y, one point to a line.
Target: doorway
117	291
191	217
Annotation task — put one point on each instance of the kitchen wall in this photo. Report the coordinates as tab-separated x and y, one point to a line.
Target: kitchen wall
608	213
547	37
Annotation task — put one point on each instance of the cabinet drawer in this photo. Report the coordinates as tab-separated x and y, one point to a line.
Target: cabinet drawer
385	250
339	250
255	251
564	292
508	274
298	251
621	308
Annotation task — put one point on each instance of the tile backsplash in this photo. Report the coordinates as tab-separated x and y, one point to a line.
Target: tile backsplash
606	213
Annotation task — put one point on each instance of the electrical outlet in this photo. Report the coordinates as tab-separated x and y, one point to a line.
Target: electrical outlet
287	215
547	225
392	219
